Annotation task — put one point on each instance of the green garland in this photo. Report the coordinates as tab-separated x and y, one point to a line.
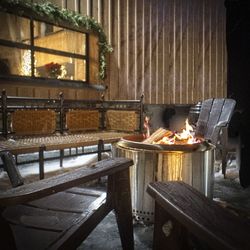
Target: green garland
57	15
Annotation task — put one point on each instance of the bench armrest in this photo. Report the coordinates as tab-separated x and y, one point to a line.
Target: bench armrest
62	182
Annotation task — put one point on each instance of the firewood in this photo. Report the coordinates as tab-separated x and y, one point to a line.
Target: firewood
156	136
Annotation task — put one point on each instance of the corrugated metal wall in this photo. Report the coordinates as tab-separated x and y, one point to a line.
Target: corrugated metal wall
173	51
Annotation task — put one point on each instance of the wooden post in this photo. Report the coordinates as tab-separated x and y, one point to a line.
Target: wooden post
61	157
141	113
4	114
41	162
119	192
102	113
100	149
61	112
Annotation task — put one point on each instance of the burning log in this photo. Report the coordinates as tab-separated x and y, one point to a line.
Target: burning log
156	136
164	136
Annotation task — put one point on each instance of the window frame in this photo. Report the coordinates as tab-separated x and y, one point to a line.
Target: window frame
33	49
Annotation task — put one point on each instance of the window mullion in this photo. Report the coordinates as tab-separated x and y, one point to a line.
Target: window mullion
59	52
87	58
32	54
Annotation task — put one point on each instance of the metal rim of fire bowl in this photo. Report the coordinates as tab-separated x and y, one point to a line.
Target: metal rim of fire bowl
134	142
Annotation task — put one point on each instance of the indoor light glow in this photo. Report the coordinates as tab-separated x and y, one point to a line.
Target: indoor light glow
26	64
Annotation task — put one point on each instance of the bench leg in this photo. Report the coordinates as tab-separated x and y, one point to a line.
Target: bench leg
10	167
41	162
100	149
119	186
61	157
168	233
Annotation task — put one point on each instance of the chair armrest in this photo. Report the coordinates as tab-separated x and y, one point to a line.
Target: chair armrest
62	182
216	132
204	218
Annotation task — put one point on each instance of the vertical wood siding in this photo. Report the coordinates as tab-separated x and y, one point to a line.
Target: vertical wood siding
173	51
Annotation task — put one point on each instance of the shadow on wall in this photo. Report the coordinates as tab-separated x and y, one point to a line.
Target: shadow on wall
4	67
168	116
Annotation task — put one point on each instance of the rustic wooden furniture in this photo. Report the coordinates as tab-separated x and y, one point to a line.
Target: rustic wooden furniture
59	213
185	218
213	120
37	125
11	169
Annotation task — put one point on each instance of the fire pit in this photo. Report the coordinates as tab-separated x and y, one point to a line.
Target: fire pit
191	163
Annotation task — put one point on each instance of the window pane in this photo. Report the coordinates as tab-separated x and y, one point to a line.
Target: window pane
14	28
54	66
54	37
15	61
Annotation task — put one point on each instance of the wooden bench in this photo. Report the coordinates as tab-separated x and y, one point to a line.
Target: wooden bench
59	213
37	125
186	219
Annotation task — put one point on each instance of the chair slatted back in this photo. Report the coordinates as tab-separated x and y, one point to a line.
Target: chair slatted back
215	114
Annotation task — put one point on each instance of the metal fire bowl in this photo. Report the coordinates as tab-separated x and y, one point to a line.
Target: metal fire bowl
134	142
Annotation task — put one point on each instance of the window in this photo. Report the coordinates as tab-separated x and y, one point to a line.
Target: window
35	49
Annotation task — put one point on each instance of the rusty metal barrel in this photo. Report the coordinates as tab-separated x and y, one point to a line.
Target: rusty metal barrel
192	164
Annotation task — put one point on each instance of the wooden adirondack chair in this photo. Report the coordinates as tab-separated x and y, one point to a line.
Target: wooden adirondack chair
214	119
58	213
186	219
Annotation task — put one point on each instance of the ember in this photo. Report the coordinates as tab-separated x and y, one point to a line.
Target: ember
164	136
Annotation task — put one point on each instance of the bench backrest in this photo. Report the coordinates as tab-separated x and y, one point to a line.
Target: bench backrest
29	116
33	122
122	120
81	120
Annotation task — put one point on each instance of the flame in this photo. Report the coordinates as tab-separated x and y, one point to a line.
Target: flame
184	137
186	133
146	127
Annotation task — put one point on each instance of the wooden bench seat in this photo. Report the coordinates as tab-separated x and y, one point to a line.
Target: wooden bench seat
32	144
56	214
182	213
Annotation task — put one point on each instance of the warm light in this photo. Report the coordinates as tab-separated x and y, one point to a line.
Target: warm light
26	64
146	127
184	137
63	72
186	134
